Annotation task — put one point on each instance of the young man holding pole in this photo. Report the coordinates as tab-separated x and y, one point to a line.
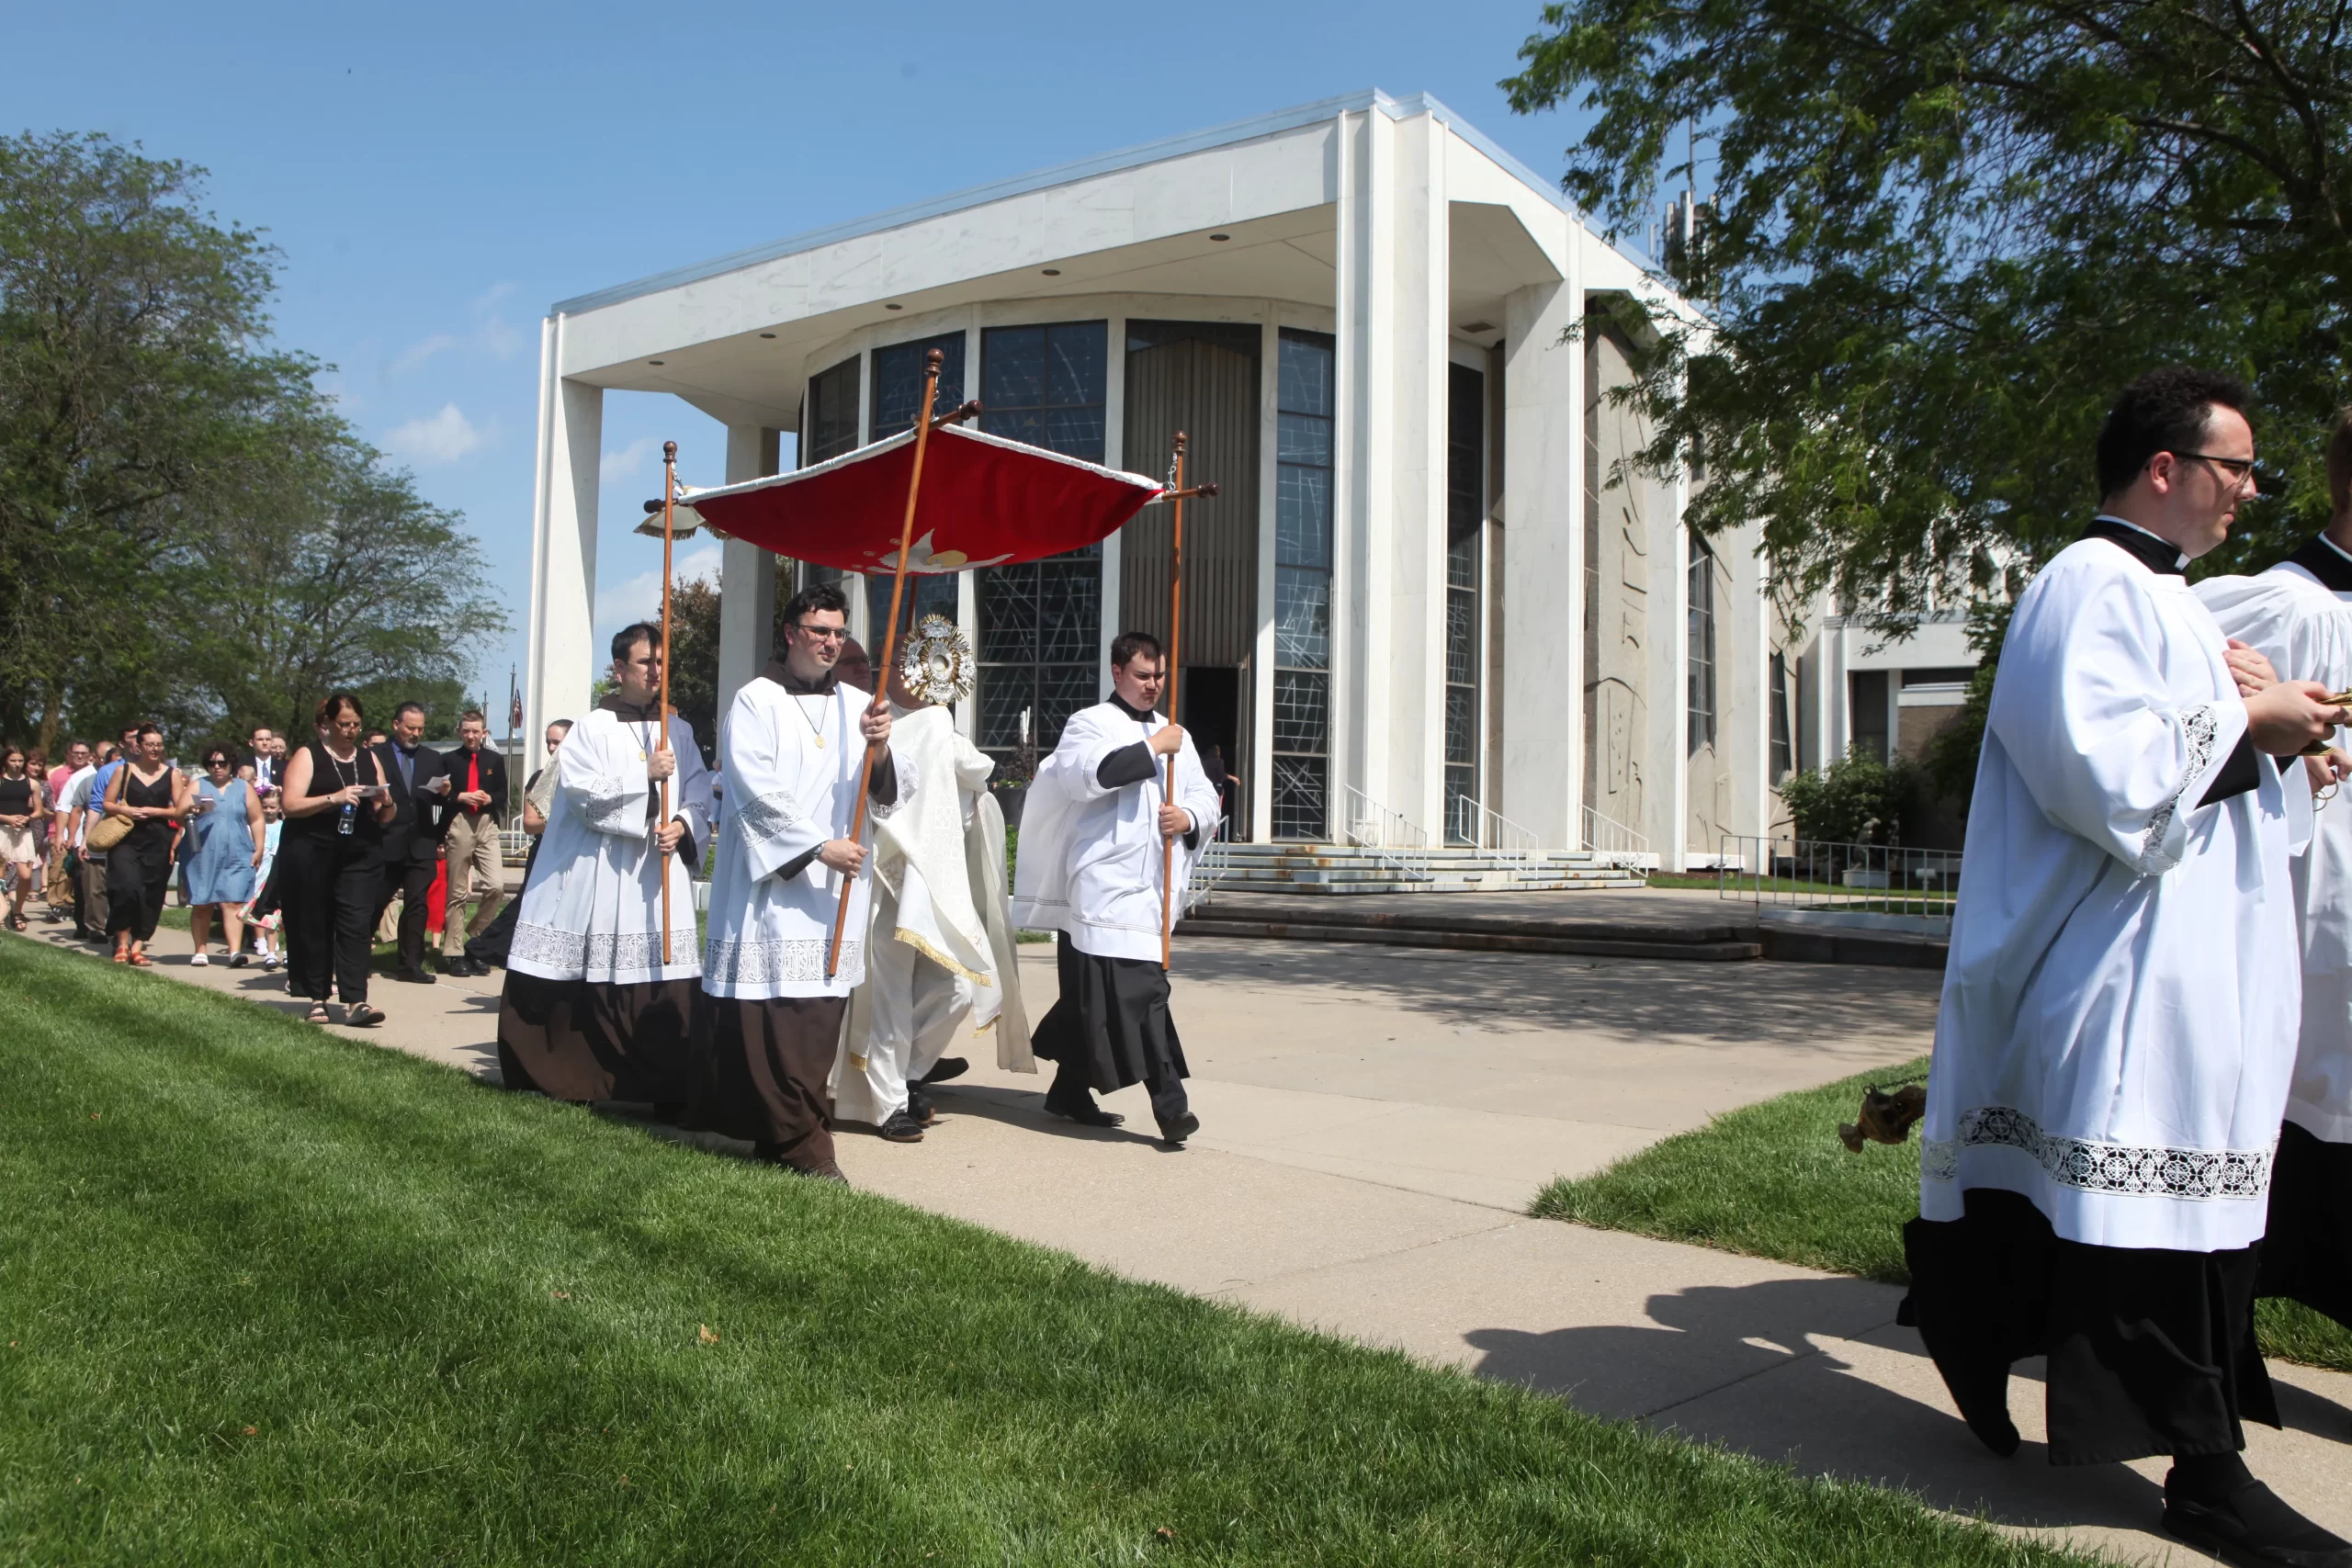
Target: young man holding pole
593	1008
792	748
1105	857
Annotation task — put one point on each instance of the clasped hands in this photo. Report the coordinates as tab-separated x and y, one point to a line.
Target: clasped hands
2282	716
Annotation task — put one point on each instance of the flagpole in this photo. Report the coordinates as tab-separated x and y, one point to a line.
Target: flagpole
669	541
890	646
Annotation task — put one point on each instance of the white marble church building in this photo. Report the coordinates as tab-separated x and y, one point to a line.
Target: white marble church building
1417	599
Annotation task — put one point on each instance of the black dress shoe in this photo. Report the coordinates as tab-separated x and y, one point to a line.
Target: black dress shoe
1183	1127
413	977
2254	1528
944	1068
918	1105
1086	1114
901	1128
459	966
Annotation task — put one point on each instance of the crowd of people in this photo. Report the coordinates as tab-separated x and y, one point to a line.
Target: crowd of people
2139	1116
364	825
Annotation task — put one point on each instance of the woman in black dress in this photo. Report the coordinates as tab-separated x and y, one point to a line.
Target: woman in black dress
147	792
336	804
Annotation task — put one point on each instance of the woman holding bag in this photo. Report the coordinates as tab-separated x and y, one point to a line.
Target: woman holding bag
149	799
336	802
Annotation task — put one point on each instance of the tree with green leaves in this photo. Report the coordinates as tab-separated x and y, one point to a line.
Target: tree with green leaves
694	659
1942	234
326	571
188	532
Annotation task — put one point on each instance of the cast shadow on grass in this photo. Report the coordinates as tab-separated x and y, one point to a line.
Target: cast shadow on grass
1745	1367
1792	1006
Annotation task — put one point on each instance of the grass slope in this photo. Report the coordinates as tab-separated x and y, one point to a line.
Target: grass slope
1772	1180
268	1296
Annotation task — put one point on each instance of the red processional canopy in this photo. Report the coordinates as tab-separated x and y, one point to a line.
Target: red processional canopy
985	501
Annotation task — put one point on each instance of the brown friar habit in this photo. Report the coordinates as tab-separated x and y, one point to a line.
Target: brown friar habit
588	1038
759	1064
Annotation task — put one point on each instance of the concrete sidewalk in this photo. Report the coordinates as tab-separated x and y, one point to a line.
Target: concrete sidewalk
1374	1124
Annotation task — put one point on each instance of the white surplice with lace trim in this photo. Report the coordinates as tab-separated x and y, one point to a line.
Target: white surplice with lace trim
2304	629
592	910
791	765
2120	1005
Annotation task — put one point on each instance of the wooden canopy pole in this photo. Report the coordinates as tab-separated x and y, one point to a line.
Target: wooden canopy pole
669	541
1175	647
889	639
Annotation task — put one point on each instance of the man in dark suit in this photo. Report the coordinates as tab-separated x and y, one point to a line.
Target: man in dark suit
472	811
413	837
267	770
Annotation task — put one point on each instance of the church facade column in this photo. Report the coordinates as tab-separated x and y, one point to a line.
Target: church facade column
746	574
1363	436
1417	452
563	663
1543	559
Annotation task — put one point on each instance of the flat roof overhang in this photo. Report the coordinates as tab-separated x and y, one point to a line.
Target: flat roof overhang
730	333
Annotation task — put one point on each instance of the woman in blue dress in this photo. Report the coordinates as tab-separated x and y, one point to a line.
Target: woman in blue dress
223	851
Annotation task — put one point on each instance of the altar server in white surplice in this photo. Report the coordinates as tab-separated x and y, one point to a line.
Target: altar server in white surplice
791	749
940	947
2118	1022
2299	614
590	1010
1094	831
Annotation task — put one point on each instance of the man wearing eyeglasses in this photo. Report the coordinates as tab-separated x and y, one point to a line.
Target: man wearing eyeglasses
2117	1034
792	748
2299	614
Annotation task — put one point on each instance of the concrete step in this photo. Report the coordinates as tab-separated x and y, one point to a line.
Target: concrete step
1665	944
1285	873
1596	880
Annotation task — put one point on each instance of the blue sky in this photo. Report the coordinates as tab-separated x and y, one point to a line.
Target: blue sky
438	175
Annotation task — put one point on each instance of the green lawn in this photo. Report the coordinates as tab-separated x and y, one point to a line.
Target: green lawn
268	1296
1773	1180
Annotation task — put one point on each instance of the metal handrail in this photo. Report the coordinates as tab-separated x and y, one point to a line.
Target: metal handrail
1803	874
1211	864
1607	838
1470	822
1393	839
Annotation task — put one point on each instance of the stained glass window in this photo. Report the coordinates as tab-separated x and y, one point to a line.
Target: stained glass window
1304	402
1041	623
832	412
898	382
1465	516
1700	661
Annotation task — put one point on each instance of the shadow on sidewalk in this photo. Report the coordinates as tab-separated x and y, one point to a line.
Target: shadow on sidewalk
1813	1374
1782	1005
1026	1107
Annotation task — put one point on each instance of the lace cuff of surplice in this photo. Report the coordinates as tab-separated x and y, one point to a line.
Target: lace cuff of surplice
2202	728
611	807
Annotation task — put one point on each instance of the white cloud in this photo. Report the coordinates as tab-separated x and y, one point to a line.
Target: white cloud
640	596
417	352
615	467
444	438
